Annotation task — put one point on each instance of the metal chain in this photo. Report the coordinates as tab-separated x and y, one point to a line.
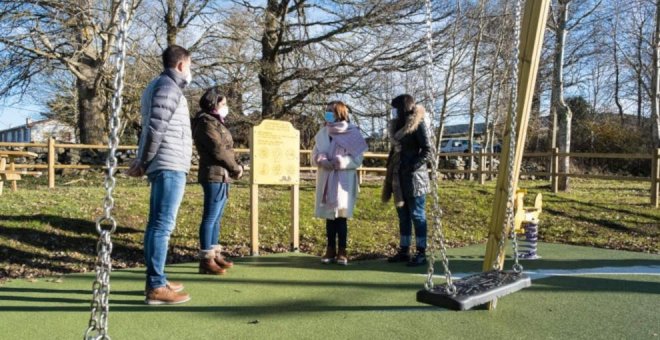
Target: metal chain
437	235
98	321
509	219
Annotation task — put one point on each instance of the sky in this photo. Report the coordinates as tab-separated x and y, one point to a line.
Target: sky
14	112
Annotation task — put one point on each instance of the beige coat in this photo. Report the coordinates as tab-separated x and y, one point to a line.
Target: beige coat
349	165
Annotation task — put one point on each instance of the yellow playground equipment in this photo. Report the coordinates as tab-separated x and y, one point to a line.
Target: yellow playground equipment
526	222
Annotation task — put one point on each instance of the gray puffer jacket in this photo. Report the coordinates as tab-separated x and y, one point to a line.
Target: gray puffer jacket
166	139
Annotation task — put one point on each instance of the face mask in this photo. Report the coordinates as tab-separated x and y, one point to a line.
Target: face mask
330	117
395	113
223	112
189	78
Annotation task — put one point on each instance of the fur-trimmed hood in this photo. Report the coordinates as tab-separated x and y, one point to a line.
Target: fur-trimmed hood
412	123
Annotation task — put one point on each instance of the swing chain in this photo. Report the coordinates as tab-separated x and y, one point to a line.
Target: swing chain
437	235
98	322
509	219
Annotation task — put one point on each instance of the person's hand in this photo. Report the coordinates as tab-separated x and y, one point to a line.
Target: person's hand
136	169
240	173
339	162
326	164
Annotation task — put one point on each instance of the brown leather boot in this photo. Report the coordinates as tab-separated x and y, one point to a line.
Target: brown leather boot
165	296
221	260
329	255
175	286
342	258
208	266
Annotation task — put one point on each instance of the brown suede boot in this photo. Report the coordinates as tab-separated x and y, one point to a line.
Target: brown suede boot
342	258
208	266
207	263
165	296
175	286
221	260
329	255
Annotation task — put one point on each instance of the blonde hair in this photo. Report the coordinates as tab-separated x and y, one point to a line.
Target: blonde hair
340	110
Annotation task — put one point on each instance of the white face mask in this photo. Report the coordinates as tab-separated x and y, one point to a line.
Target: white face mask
395	113
189	78
223	112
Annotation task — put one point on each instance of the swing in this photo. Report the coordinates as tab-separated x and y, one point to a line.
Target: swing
476	289
98	322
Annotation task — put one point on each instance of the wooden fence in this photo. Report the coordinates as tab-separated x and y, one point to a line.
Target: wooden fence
481	170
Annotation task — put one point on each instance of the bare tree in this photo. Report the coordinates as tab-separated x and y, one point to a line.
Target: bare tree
617	68
473	85
304	54
655	104
179	15
457	52
77	37
560	111
562	115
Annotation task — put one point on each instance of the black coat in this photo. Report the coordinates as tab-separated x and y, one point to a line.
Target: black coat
415	155
407	170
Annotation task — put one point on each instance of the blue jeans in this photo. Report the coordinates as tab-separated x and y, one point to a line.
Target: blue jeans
215	199
167	189
414	210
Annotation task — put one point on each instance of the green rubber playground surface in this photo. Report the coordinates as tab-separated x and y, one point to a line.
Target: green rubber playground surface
577	293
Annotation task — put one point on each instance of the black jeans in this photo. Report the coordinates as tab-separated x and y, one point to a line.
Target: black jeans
337	228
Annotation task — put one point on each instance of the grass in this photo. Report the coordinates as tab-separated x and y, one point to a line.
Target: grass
50	232
292	296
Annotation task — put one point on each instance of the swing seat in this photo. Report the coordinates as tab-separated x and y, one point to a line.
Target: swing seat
475	290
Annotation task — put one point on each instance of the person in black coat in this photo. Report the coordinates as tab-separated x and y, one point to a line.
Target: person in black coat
407	178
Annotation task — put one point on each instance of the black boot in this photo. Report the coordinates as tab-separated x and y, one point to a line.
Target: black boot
400	256
418	260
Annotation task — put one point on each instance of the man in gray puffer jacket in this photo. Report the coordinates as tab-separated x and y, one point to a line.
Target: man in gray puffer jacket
164	155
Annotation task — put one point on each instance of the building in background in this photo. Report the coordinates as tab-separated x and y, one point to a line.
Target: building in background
39	132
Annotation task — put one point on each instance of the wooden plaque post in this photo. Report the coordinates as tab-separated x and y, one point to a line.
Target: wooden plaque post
274	160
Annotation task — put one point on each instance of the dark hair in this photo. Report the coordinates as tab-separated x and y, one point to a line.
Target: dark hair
405	106
173	55
340	110
210	99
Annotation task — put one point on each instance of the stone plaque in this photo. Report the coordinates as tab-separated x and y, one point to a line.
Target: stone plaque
275	153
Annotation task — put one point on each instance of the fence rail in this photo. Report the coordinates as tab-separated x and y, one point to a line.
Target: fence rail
482	170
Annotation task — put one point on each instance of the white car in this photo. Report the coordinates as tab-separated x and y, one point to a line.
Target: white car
458	145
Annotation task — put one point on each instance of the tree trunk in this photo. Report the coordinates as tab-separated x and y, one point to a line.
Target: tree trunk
617	71
89	84
91	107
560	110
655	104
170	22
271	103
473	90
640	76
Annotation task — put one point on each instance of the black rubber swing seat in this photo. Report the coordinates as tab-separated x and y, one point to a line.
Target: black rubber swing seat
476	289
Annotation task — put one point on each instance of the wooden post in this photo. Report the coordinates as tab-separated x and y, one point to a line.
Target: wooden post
531	41
254	219
14	185
655	179
295	218
554	170
51	163
482	167
3	166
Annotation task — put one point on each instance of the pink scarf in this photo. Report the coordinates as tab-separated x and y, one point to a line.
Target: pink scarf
347	136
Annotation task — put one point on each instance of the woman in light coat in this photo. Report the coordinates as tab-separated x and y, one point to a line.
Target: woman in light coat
338	152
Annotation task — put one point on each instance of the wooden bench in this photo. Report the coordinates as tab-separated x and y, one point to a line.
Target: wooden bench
11	174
